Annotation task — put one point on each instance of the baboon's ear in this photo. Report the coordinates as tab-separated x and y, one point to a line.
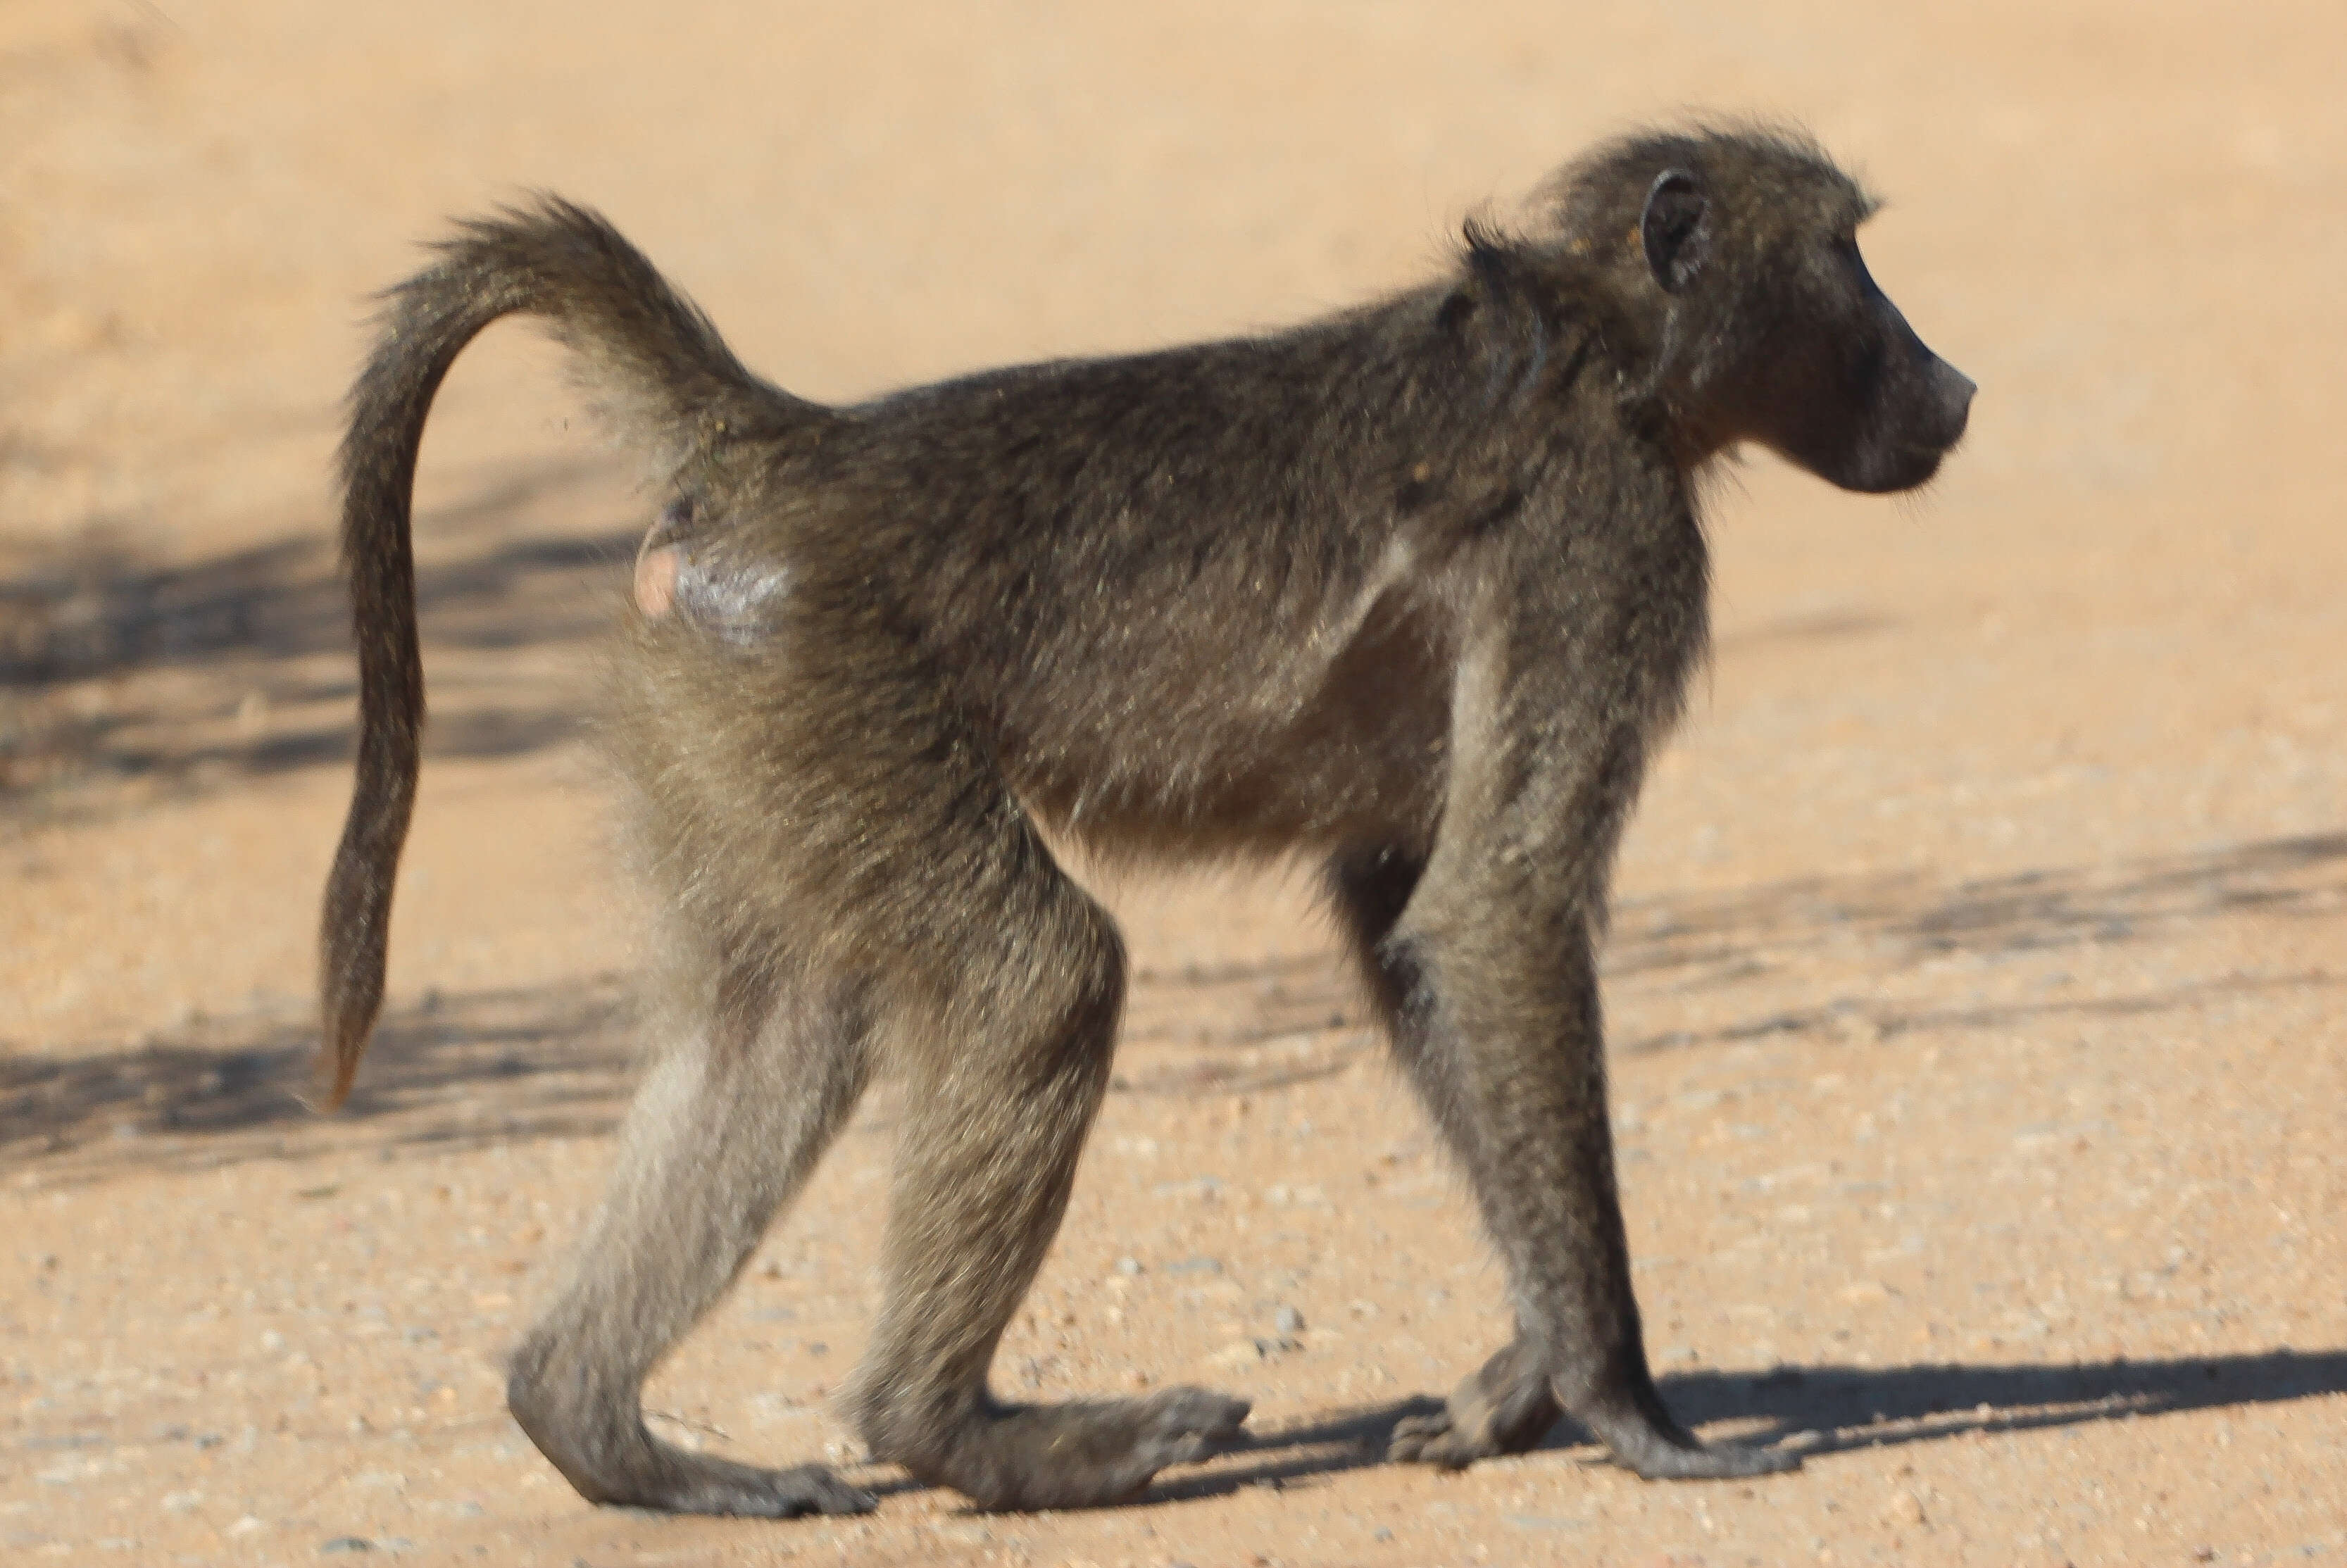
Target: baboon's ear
1677	229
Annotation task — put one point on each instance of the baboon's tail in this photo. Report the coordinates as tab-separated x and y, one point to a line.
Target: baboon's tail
669	377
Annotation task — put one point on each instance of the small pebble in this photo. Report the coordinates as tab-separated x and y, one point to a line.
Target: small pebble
1287	1320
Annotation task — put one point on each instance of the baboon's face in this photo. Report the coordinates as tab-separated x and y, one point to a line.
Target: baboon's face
1773	328
1839	382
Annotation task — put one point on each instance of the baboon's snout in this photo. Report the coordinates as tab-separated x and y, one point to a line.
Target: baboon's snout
1952	398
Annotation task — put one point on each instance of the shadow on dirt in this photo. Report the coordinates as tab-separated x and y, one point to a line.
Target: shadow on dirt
1904	920
115	667
1681	944
558	1061
1869	1407
490	1066
1832	1409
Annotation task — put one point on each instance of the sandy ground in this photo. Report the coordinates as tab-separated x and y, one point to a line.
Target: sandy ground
1977	992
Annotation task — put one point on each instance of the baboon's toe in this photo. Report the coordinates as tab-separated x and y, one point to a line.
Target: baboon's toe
1186	1425
1435	1439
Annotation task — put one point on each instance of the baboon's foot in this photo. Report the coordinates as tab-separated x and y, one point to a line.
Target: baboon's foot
603	1451
675	1482
1076	1455
1506	1408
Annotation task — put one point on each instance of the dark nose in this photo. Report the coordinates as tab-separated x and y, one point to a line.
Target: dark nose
1952	390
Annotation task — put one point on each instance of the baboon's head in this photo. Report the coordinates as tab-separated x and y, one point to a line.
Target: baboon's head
1740	249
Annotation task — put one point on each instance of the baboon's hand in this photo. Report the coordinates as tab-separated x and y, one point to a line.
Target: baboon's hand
1505	1408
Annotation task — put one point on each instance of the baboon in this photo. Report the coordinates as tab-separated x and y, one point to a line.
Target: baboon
1410	590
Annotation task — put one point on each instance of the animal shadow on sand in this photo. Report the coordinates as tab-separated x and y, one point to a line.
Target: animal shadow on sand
510	1065
1828	1408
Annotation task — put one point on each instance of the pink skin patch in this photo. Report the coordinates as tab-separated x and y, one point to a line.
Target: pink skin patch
656	581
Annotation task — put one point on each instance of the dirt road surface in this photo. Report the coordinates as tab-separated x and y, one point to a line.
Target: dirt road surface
1978	990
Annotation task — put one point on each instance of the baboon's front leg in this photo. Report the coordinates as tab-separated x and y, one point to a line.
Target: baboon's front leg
1502	1042
1525	1107
1506	1406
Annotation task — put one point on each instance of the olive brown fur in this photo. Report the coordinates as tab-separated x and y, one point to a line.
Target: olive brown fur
1410	591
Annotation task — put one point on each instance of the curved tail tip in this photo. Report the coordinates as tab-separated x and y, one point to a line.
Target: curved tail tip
339	1056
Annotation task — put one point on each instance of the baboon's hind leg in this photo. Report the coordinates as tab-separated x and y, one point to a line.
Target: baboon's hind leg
721	1136
997	1109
